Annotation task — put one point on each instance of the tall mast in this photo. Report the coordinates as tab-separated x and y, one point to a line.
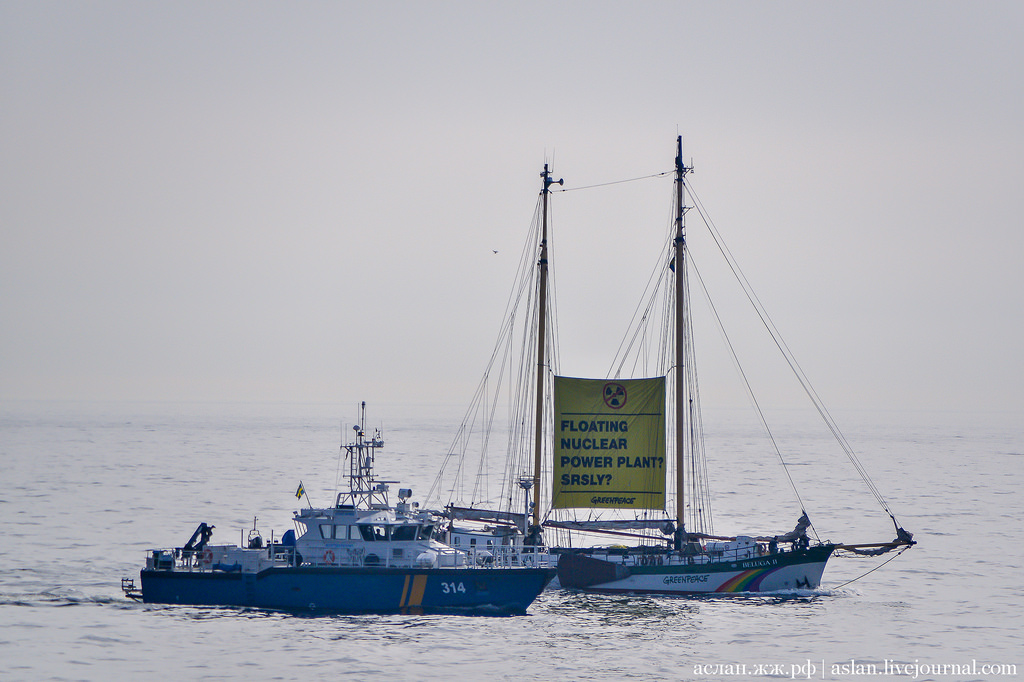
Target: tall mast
680	333
541	340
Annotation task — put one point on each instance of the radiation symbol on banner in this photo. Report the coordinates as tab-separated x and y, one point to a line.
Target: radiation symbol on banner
614	395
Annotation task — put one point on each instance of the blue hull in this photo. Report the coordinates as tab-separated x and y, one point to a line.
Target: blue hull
353	590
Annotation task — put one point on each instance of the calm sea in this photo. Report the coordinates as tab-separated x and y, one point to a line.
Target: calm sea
88	488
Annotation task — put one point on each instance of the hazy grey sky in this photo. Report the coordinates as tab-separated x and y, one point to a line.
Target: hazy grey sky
300	201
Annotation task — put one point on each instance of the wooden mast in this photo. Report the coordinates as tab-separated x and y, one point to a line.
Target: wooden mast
534	535
680	346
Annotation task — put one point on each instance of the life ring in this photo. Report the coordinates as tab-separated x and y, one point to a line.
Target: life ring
206	557
329	557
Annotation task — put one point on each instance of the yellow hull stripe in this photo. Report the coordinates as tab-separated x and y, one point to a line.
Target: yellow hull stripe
413	597
419	586
405	592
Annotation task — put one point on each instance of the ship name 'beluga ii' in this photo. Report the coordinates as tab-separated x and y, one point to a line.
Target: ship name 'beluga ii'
361	555
624	457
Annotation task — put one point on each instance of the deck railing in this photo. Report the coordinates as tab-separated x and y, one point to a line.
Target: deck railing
711	554
217	558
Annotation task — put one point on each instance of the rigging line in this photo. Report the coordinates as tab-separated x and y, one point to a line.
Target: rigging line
746	385
478	417
652	293
455	448
518	392
640	326
701	513
517	366
481	485
527	260
507	328
497	393
552	316
791	359
700	495
488	426
526	385
613	182
460	445
873	569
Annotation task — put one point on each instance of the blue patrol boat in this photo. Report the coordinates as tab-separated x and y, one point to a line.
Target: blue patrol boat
363	555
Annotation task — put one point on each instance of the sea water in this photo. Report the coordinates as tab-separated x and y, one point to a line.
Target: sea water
88	488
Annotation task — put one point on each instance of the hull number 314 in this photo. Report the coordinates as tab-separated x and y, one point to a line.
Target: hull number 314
452	588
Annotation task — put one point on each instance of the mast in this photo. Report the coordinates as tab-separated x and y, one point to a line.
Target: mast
680	345
533	537
364	488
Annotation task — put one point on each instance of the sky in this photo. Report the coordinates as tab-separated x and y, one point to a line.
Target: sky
302	201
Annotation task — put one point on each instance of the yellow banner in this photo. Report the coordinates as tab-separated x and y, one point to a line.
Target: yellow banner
609	443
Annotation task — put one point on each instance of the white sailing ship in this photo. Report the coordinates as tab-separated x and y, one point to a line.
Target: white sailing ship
620	457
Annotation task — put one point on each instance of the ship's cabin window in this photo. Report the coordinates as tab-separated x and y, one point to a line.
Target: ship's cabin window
325	531
472	542
374	533
403	533
425	532
341	532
